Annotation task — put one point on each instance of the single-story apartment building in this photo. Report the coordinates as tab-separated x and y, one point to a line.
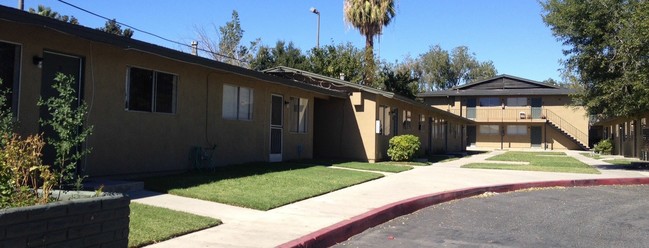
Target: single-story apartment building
360	126
153	108
630	136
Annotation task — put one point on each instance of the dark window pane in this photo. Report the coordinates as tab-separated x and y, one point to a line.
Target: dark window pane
165	84
275	140
276	113
140	89
8	67
489	102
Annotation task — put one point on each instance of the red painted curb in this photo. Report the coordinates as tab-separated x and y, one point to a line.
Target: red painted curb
343	230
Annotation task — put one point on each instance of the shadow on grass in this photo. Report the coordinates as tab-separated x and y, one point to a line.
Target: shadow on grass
205	176
436	158
628	165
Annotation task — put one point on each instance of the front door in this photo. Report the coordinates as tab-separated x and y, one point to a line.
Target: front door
470	108
52	64
470	135
537	105
536	136
276	128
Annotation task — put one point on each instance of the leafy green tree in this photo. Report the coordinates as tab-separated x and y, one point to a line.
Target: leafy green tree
47	11
329	60
551	81
112	27
401	82
282	54
444	70
607	54
369	17
332	60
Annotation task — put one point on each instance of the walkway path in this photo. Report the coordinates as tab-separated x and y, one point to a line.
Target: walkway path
252	228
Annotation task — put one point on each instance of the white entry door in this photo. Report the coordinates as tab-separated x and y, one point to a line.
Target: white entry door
276	128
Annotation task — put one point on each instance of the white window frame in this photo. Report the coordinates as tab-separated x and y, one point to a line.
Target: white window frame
299	115
240	101
407	119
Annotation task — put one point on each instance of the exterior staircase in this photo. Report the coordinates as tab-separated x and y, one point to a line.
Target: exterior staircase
567	129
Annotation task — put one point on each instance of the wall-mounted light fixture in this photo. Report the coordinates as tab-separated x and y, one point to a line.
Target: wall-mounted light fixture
38	61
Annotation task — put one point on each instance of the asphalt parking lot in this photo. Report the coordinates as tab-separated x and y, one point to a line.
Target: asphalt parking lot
603	216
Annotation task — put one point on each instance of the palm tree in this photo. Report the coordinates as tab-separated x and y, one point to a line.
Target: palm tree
369	17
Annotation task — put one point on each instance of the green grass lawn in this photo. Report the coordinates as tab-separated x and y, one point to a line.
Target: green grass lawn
383	166
538	161
260	186
151	224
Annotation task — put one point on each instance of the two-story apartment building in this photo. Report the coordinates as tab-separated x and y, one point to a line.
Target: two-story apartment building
513	112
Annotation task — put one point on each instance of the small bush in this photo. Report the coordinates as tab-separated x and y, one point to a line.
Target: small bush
604	147
22	172
403	147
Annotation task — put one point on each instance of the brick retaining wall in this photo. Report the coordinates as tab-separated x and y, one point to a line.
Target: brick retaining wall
98	222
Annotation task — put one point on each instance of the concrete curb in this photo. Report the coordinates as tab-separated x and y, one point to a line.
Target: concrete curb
343	230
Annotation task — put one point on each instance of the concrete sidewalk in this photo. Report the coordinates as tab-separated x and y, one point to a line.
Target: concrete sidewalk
252	228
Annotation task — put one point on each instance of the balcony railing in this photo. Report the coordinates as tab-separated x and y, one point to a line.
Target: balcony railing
497	114
521	114
567	127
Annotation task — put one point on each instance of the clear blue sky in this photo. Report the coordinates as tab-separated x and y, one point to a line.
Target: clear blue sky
510	33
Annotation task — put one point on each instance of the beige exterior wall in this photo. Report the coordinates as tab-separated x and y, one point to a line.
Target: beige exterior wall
630	137
551	139
552	107
346	130
127	142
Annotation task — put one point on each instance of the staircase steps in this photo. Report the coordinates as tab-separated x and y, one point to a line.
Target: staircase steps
578	142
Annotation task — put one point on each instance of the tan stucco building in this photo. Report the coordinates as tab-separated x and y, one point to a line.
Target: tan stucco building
512	112
157	110
630	136
361	125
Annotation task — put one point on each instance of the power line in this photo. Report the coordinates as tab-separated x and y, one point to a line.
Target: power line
149	33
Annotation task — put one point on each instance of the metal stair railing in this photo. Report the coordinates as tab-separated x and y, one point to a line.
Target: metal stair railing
564	125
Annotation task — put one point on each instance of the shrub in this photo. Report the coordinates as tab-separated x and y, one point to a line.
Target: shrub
403	147
23	173
604	147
